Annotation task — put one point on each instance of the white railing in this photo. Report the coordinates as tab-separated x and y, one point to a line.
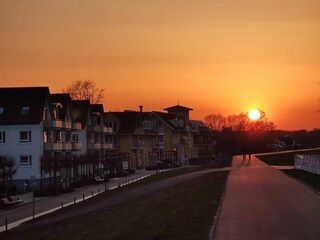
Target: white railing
309	163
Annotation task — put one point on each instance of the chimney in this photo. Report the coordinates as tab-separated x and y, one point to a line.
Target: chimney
141	108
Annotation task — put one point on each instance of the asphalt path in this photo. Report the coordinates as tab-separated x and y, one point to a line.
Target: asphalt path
264	203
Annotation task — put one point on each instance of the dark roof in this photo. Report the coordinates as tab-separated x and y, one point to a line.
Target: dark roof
129	120
97	108
13	99
65	100
81	111
177	108
168	118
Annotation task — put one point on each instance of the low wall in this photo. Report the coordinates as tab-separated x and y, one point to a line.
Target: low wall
309	163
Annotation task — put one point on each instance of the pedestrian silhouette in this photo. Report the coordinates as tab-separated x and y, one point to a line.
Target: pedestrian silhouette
244	152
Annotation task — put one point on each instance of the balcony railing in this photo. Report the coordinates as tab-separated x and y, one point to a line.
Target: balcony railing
137	145
160	131
76	146
76	126
107	130
52	124
67	125
94	146
94	128
108	146
53	147
67	146
58	146
160	145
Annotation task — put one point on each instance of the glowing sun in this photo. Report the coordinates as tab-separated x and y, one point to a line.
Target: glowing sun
254	114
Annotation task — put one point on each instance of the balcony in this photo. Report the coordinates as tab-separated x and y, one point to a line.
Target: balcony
67	125
137	145
76	146
159	145
107	130
52	124
53	146
76	126
109	146
94	146
58	146
160	131
67	146
94	128
184	140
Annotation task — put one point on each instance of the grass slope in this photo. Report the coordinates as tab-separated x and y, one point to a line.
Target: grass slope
184	211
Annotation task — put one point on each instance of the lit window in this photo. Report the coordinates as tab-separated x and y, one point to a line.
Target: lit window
25	160
25	136
1	110
45	137
2	137
25	110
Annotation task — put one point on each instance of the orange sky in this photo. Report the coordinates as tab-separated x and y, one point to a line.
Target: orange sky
223	56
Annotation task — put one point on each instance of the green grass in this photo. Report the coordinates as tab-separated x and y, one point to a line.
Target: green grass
311	179
184	211
284	159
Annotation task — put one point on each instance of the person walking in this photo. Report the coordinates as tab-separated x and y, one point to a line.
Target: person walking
244	152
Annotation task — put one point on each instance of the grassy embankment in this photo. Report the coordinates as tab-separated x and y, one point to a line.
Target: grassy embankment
287	159
184	211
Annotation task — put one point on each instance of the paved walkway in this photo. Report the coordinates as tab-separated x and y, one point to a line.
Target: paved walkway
263	203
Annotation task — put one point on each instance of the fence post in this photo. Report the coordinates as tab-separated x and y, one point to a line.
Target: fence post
6	223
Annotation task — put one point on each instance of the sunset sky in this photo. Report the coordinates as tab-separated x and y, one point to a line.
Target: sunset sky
215	56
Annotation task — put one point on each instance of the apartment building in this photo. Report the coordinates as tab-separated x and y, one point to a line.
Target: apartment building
131	140
149	138
49	140
91	158
35	127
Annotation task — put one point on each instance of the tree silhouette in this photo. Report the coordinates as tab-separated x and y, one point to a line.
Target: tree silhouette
215	121
239	123
85	90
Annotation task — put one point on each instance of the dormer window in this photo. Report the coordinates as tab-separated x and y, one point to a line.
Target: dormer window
1	110
25	110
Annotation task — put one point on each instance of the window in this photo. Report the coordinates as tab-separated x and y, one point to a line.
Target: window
45	137
45	114
1	110
25	136
25	160
74	137
25	110
2	137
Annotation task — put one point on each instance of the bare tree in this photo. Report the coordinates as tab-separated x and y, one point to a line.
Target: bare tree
261	125
85	90
239	123
215	121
